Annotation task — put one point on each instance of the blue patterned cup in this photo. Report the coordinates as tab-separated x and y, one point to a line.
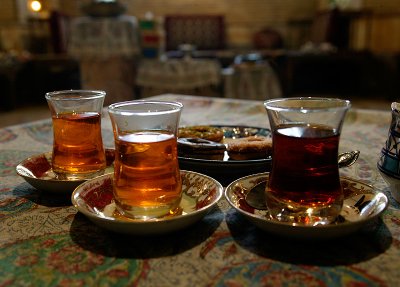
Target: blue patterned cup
389	161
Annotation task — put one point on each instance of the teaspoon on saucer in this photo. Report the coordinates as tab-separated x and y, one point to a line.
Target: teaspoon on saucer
256	196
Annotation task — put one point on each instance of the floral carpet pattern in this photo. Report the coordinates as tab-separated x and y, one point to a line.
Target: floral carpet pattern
45	242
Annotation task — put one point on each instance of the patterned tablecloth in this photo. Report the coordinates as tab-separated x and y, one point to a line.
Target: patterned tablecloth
45	242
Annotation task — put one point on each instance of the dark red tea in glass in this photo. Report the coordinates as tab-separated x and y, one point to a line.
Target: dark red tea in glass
304	183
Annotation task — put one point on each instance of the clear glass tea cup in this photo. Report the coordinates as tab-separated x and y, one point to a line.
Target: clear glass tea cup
304	185
147	182
78	151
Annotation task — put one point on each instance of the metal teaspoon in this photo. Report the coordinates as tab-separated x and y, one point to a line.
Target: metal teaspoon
256	196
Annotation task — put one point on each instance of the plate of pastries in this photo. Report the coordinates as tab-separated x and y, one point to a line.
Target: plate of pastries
224	152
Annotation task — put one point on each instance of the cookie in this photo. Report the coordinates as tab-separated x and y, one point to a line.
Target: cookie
203	132
253	147
200	148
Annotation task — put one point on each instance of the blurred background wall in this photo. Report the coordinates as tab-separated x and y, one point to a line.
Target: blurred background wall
243	18
369	42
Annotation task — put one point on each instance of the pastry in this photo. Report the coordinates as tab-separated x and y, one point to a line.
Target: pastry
200	148
253	147
203	132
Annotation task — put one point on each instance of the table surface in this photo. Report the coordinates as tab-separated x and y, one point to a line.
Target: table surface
44	241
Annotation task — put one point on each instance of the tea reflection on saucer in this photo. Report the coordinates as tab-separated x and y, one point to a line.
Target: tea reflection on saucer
362	204
94	198
37	171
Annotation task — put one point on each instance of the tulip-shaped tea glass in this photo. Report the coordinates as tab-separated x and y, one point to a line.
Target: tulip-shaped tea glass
78	151
147	182
304	184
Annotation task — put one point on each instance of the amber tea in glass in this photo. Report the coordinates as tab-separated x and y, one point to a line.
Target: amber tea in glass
147	182
304	183
78	151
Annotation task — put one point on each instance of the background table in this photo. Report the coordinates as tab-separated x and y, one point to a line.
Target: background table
185	75
251	81
107	48
45	242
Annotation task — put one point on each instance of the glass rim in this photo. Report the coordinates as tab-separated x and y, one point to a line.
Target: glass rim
71	95
309	104
121	107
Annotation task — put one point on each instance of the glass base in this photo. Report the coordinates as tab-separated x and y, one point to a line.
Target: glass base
62	175
147	213
297	214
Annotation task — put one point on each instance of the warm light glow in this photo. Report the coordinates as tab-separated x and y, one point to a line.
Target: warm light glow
36	6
